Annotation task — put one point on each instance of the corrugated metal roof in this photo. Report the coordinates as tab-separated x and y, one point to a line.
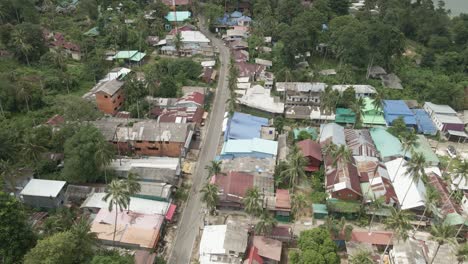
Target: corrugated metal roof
425	149
334	132
250	146
387	144
398	108
244	126
43	188
425	124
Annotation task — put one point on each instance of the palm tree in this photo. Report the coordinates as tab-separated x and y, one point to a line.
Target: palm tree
376	205
103	156
30	149
8	172
462	172
462	253
407	144
85	240
118	197
266	223
210	196
253	201
298	203
399	223
415	170
378	102
178	42
232	104
432	199
362	257
343	156
20	41
442	234
214	168
133	186
357	107
295	165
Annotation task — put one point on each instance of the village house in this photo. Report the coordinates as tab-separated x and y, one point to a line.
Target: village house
301	93
110	97
256	147
264	250
236	18
244	126
44	193
178	115
282	205
171	3
178	17
312	152
193	43
360	142
424	122
394	109
388	145
361	90
146	137
444	117
118	73
129	56
345	116
223	243
57	43
372	115
250	70
260	98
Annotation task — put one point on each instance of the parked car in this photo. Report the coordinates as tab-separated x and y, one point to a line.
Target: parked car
451	151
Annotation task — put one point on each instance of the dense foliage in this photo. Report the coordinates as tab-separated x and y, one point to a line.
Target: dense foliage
315	247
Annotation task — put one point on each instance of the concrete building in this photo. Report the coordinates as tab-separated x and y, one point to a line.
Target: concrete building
361	90
110	97
44	193
394	109
301	93
257	148
260	98
163	170
444	117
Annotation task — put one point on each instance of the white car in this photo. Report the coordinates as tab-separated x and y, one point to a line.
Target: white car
451	151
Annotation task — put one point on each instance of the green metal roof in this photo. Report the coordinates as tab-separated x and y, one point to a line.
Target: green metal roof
345	115
387	144
92	32
425	149
311	130
181	16
454	219
319	208
372	116
125	54
138	57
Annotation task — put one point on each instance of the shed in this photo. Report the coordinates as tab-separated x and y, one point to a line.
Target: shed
320	211
345	116
44	193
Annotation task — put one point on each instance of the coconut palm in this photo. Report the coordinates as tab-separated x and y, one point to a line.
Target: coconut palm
298	203
133	186
266	223
8	172
376	205
343	156
253	202
103	156
357	107
19	39
407	144
85	240
399	223
441	234
178	42
361	257
118	197
462	172
295	167
415	170
232	103
462	253
214	168
378	102
210	196
30	149
432	199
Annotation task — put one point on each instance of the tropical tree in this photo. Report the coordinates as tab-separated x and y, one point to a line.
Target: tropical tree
30	149
343	156
298	203
214	168
415	170
132	185
441	234
295	167
266	223
408	141
20	40
376	205
210	196
118	198
358	108
362	257
253	201
378	102
85	240
104	155
462	172
178	42
399	223
232	103
432	199
462	253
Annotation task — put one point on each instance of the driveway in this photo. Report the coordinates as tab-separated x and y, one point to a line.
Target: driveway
192	216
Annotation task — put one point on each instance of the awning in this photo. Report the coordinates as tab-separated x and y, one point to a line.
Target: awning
170	212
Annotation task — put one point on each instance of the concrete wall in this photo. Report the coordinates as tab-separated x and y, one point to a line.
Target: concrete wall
157	148
110	104
45	202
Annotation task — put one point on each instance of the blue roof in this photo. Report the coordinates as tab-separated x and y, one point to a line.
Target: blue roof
396	108
244	126
244	18
236	14
181	16
425	124
247	146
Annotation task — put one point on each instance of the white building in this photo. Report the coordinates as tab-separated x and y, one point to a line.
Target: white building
260	98
444	117
403	183
44	193
223	244
361	90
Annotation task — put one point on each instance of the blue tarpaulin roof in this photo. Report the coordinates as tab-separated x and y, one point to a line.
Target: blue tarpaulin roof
236	14
396	108
425	124
244	126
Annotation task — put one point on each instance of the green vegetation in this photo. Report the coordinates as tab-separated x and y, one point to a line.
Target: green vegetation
315	247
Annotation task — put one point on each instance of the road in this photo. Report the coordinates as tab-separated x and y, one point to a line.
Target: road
192	216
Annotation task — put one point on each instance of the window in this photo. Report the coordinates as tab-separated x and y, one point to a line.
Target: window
115	108
105	96
118	97
152	148
167	142
113	101
137	149
139	141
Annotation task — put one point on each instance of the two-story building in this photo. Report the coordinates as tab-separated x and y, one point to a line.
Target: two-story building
301	93
110	97
444	117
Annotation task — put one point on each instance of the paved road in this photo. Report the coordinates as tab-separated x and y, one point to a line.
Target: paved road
191	221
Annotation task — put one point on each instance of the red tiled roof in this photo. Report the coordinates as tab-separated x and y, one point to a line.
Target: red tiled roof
56	120
310	148
283	199
447	205
59	41
374	238
233	185
253	257
177	2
